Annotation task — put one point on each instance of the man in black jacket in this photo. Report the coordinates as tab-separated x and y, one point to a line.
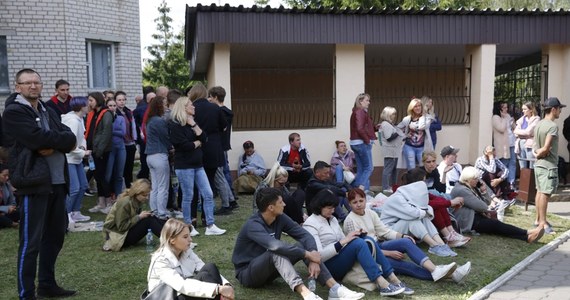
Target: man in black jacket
29	126
322	180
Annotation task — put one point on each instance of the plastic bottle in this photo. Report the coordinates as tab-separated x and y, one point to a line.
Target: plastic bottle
149	241
91	162
311	284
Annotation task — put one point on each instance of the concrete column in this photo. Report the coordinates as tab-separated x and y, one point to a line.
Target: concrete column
349	82
557	60
219	71
481	60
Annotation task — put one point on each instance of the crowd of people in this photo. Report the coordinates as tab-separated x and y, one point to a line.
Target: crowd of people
56	148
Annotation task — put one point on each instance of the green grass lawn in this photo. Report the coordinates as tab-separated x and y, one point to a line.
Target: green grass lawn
96	274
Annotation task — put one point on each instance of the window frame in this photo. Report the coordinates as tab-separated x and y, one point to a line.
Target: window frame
4	89
89	64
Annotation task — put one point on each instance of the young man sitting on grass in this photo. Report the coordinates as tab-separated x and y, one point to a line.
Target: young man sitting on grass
260	256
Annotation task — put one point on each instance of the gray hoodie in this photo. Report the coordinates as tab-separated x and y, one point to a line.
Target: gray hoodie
409	202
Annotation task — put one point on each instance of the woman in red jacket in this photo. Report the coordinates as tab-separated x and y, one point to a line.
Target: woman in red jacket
361	139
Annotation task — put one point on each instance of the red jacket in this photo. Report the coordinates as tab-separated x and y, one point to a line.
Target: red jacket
361	126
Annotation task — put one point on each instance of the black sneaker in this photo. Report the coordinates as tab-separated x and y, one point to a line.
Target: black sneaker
234	205
55	292
223	211
89	193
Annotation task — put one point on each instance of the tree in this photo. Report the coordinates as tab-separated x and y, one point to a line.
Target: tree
168	66
433	4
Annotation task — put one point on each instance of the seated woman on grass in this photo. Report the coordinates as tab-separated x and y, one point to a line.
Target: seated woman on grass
9	214
126	224
339	252
472	216
396	245
177	266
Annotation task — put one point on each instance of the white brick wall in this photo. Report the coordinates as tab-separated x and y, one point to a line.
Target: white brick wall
50	37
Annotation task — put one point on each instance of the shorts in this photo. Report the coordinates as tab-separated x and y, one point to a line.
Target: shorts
546	179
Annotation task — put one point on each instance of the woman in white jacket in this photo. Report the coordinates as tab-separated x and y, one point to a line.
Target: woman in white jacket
177	266
77	179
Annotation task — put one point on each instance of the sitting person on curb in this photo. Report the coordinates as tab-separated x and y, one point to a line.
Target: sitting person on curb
9	214
321	180
396	245
433	179
407	211
294	157
177	266
342	160
495	174
126	224
251	169
340	252
277	178
260	256
473	215
449	169
441	219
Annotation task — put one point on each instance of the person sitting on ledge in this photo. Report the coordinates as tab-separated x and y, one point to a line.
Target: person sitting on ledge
251	169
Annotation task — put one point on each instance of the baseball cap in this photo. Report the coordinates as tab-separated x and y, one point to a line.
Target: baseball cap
447	150
552	102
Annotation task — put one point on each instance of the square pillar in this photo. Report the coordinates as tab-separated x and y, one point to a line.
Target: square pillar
481	60
219	71
349	82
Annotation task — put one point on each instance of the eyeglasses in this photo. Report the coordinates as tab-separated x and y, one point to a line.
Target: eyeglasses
29	83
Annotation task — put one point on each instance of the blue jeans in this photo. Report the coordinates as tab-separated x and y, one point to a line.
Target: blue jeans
116	168
77	186
187	178
404	267
364	167
357	250
227	173
511	164
160	181
413	156
525	153
390	172
339	176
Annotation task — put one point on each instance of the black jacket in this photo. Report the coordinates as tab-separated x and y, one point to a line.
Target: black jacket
210	118
316	185
22	129
186	155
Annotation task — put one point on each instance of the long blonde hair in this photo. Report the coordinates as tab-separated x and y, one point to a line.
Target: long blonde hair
178	113
359	99
171	229
411	107
425	100
276	171
139	186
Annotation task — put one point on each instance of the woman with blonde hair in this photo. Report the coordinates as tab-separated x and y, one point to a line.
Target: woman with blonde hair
176	265
361	140
277	178
187	138
524	132
126	224
435	123
390	143
417	136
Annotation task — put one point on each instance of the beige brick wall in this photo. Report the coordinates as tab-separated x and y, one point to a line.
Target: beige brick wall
49	36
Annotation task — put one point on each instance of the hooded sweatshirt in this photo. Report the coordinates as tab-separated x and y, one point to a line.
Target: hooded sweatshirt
75	123
409	202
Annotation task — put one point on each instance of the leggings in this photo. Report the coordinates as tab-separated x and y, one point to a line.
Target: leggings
208	273
140	229
483	224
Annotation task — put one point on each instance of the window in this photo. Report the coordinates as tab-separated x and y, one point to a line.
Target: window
100	65
4	80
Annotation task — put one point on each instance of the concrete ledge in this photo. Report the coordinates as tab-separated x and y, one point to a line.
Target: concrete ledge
516	269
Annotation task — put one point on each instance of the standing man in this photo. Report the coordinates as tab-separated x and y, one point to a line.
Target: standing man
32	128
545	149
60	101
138	115
295	159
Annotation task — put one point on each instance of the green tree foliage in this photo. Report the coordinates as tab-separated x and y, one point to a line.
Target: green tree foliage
442	4
167	66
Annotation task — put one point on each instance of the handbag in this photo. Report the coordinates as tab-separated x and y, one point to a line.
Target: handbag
161	292
348	175
27	169
356	276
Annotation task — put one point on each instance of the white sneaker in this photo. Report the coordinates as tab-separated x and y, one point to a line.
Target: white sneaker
461	272
71	224
106	209
214	230
343	293
78	217
96	209
443	271
312	296
194	232
387	192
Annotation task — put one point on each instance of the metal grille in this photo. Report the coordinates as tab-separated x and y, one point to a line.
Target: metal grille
520	86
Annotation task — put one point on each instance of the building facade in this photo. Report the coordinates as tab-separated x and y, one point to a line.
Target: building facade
94	45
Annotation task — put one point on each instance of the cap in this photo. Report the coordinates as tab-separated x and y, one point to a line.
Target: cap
321	164
552	102
447	150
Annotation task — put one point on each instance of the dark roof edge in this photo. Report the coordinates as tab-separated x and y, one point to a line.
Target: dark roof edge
375	10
